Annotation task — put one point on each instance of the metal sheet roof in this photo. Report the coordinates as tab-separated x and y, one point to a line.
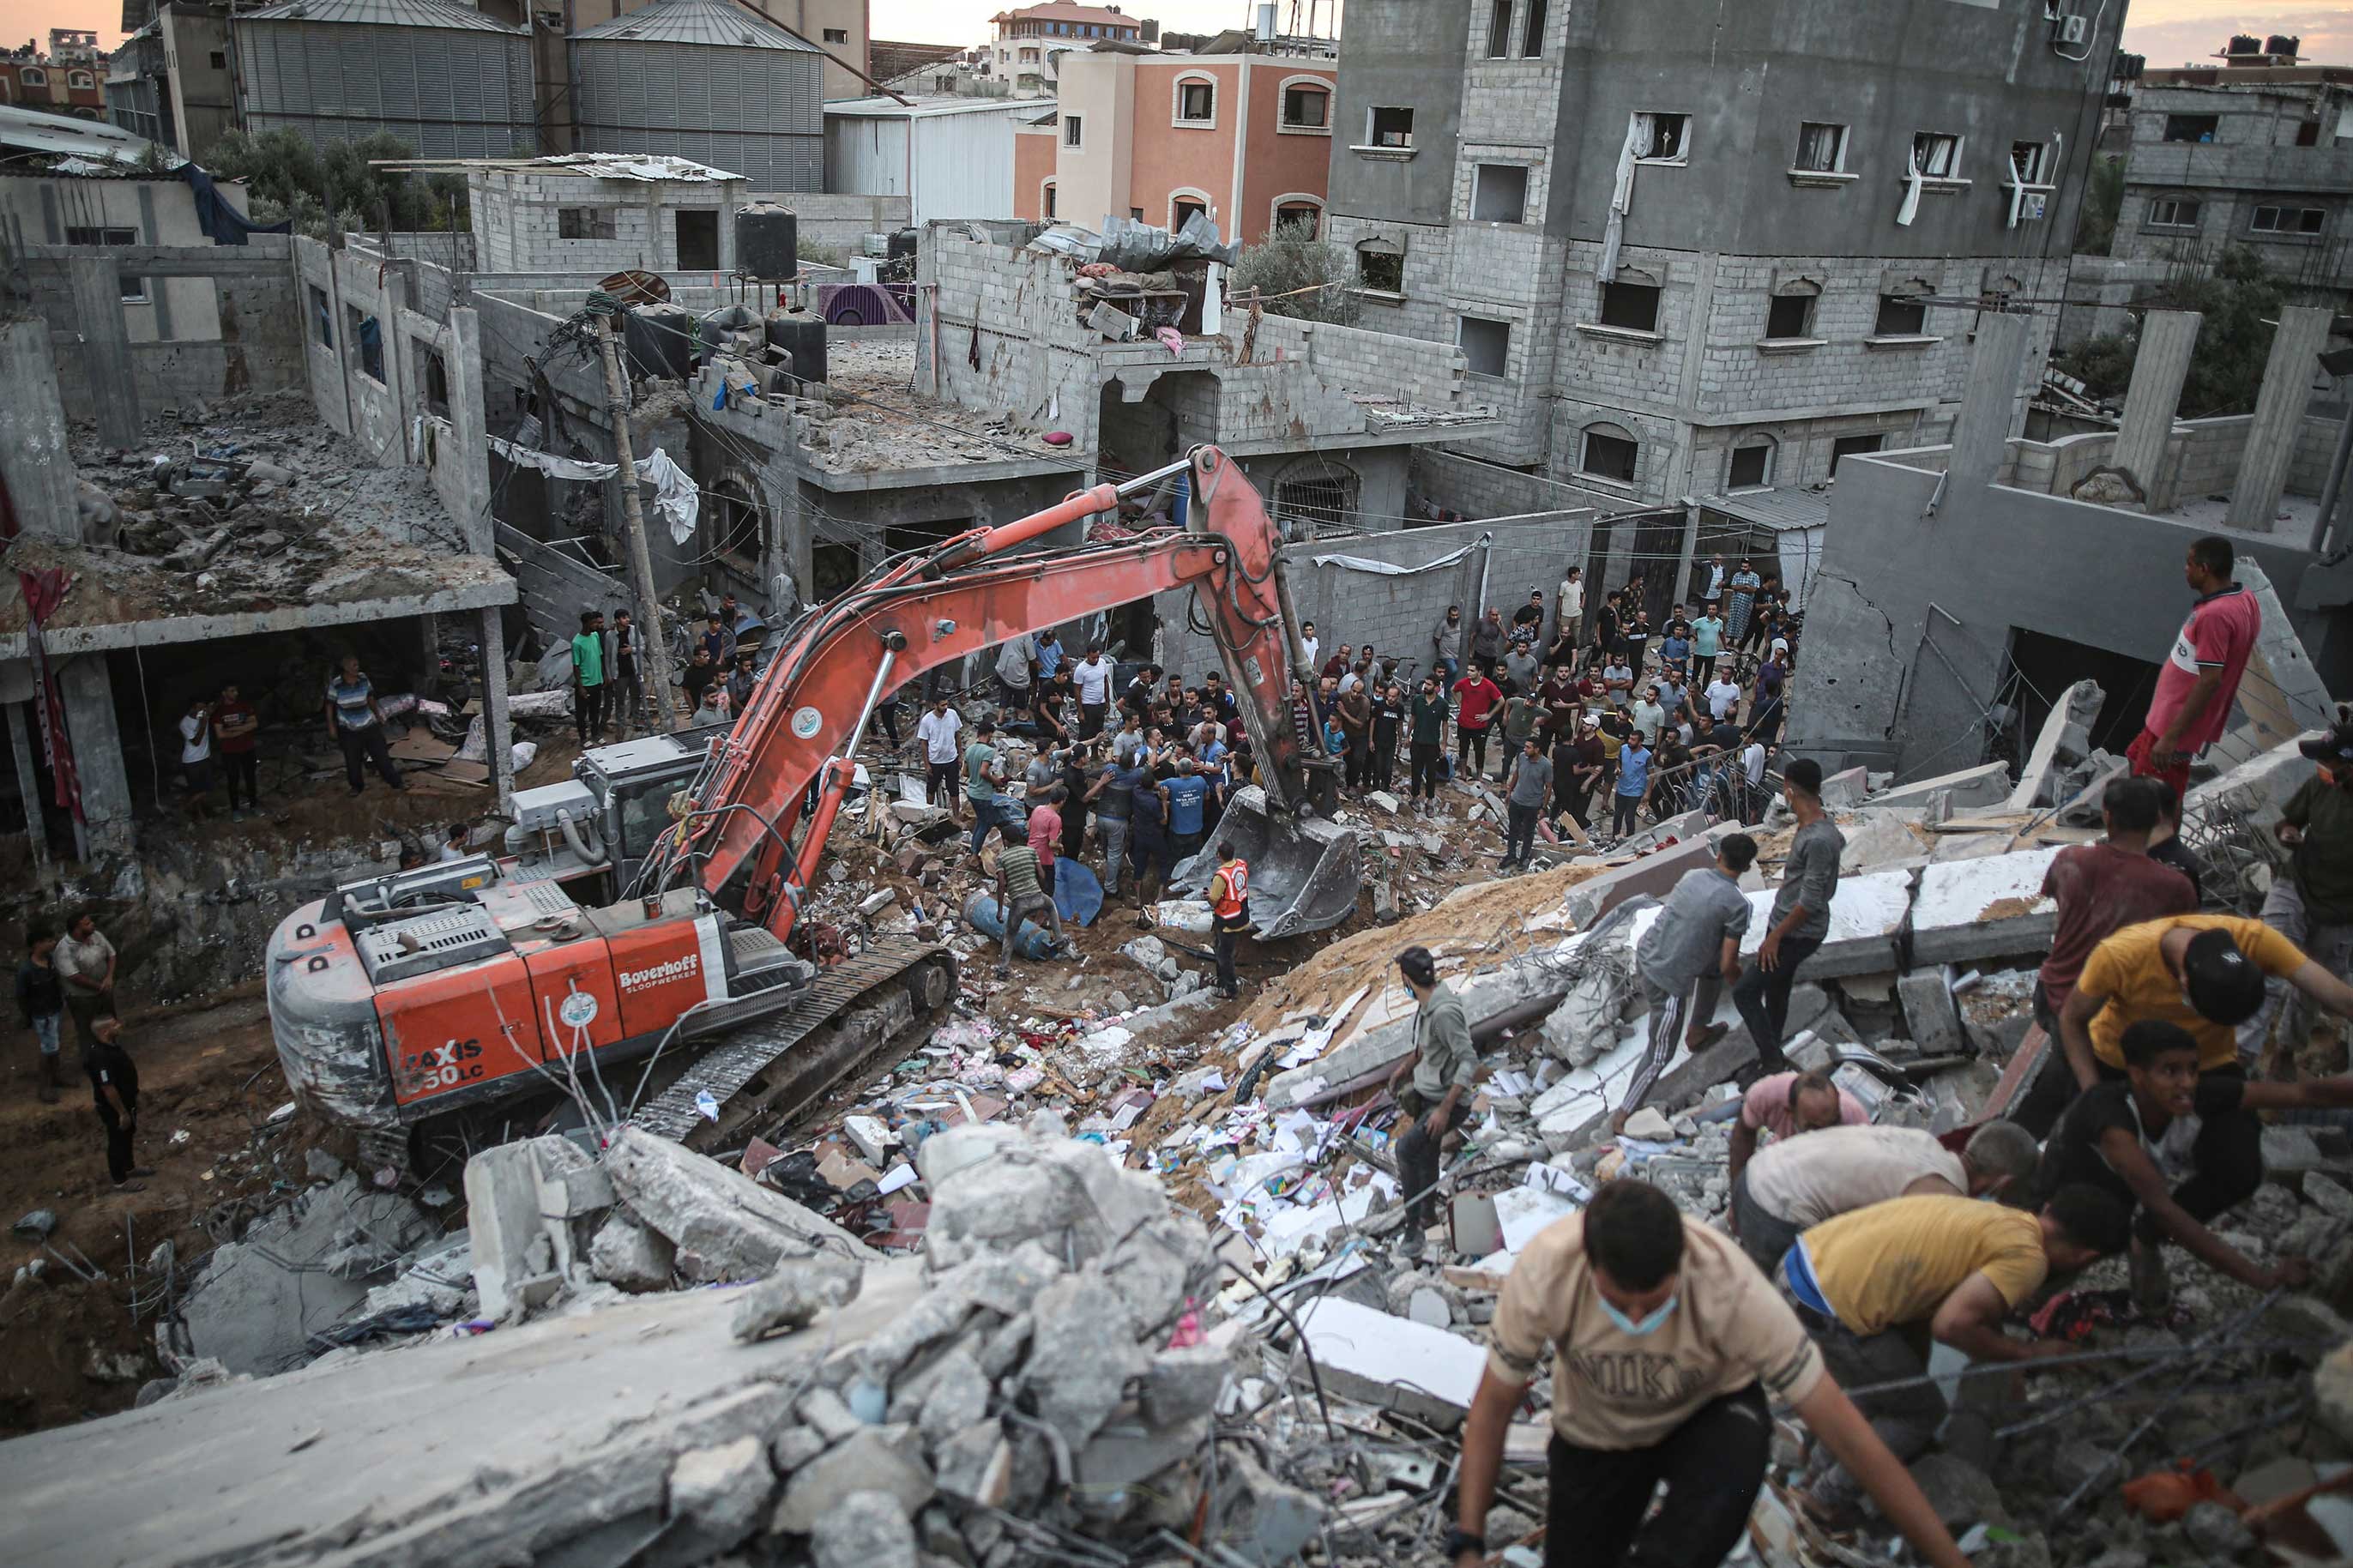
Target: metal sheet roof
383	14
891	109
634	166
723	23
1776	509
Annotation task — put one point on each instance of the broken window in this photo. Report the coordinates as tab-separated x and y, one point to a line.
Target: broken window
1632	305
1499	31
434	372
586	223
1610	453
134	290
1486	344
1303	218
1532	36
364	331
1752	464
1197	102
1181	210
1320	503
1789	316
1937	155
322	319
1380	270
1821	148
2173	212
2289	220
1901	316
1499	192
1388	127
2026	162
1662	138
2191	127
1306	108
1073	131
1853	446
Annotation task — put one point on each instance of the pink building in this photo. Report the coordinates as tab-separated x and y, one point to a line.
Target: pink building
1247	138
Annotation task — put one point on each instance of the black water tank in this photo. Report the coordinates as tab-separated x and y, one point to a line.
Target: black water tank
800	334
903	243
2280	44
767	241
659	342
2245	43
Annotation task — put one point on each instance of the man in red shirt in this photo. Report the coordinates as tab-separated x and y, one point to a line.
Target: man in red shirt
235	726
1046	834
2100	889
1475	698
2200	679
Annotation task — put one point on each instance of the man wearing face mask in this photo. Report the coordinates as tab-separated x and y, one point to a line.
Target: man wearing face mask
1667	1343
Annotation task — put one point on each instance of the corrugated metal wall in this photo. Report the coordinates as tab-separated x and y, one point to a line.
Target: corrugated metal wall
964	166
448	94
759	114
866	155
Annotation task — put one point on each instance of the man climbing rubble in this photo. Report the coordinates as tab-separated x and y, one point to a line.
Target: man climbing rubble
2142	1140
1021	895
1690	951
1796	1183
1786	1104
1800	917
1666	1346
1870	1287
2100	888
1432	1087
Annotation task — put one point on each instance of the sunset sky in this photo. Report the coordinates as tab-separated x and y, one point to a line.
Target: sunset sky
2169	32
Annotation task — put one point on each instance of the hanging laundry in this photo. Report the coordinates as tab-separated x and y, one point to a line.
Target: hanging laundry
675	496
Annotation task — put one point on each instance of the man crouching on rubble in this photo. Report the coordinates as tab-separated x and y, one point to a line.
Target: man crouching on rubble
1667	1345
1874	1286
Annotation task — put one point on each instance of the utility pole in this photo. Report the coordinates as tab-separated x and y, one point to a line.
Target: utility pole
652	638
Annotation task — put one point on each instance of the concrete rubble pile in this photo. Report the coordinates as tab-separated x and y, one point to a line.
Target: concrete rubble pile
252	505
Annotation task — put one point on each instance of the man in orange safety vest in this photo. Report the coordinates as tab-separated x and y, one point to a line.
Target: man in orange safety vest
1228	911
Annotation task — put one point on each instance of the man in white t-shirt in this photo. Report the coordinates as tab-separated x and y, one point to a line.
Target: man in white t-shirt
937	730
196	751
1314	648
1092	675
1569	607
1723	696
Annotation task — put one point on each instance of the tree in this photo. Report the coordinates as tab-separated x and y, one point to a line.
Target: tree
287	178
2103	196
1299	275
2238	299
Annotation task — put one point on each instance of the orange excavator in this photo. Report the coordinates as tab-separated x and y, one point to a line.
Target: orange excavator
478	984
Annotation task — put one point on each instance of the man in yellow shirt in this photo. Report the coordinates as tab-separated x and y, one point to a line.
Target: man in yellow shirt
2205	975
1874	1285
1666	1345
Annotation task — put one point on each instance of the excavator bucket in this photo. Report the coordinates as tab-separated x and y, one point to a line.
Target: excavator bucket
1303	874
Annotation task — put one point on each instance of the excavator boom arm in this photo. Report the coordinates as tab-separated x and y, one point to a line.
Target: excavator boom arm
816	695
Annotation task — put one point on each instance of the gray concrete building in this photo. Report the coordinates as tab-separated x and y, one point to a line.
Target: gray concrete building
2262	159
1690	252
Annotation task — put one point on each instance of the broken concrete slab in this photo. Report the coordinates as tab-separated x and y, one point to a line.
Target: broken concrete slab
1929	1013
724	1225
1655	874
631	1254
993	1188
721	1491
298	1269
1992	908
1843	789
795	1295
2065	740
1389	1362
886	1459
1987	785
1083	1352
868	1529
520	1210
1867	915
2256	789
1879	839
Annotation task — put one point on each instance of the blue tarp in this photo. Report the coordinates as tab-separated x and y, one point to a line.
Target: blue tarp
1078	892
222	223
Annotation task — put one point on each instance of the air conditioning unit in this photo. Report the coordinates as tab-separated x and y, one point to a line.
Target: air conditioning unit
2075	30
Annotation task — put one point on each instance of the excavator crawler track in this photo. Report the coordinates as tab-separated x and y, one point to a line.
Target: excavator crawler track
770	1069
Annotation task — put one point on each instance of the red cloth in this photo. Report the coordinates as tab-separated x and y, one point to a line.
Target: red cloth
2177	776
2220	634
1045	832
1479	694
